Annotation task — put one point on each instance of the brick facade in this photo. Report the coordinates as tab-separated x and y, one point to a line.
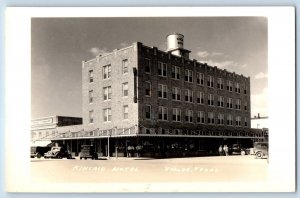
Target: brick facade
139	57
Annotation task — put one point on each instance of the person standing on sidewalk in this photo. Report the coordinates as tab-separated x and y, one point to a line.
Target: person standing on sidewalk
220	150
226	150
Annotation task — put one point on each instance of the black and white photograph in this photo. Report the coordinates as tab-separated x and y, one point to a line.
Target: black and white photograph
152	101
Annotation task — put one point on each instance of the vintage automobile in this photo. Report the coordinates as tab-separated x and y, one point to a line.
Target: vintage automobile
237	149
261	149
58	152
88	151
38	151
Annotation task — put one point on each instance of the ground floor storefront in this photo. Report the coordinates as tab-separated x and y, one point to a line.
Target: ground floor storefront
154	146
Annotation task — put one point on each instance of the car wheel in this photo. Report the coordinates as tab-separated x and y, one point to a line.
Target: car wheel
259	155
80	158
38	155
85	158
243	153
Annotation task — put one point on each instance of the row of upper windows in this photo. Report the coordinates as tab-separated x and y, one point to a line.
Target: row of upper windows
176	74
176	116
107	92
200	79
189	116
107	71
189	97
107	114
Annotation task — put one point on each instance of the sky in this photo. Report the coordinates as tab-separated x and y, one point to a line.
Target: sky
59	45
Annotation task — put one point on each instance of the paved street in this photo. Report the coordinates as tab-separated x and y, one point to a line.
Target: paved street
199	169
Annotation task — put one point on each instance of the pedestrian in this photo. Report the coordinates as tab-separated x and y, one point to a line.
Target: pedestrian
129	151
226	150
220	150
138	150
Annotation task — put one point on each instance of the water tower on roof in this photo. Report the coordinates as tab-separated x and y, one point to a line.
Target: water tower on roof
175	45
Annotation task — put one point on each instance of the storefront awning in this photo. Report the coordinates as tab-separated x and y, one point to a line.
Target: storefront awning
41	143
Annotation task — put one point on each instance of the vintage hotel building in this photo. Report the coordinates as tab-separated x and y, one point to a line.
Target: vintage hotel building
161	100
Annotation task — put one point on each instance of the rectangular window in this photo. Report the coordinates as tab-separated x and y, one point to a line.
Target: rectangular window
200	97
125	89
238	121
229	103
162	69
125	111
188	115
245	106
176	93
220	101
162	91
176	114
220	84
246	122
107	93
210	118
210	99
91	96
229	86
91	116
229	120
91	76
176	72
106	71
220	119
188	95
162	113
245	90
200	117
188	75
147	65
107	115
238	104
200	78
148	111
237	88
125	66
148	89
210	81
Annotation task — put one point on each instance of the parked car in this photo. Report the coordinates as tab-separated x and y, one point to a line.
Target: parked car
261	149
38	151
237	149
58	152
88	151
